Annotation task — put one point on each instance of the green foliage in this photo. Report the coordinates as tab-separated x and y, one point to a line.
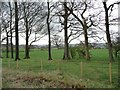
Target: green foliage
118	55
73	52
78	50
116	47
81	51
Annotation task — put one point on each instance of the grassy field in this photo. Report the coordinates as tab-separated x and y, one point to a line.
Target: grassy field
39	72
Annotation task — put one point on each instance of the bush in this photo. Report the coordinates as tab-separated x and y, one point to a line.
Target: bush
78	50
81	51
118	56
73	51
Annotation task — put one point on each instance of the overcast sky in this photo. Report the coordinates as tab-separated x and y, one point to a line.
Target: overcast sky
45	39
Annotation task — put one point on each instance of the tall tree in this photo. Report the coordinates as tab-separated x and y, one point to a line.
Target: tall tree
0	43
66	45
5	26
32	14
16	33
7	43
62	14
49	37
109	43
26	9
0	31
68	24
86	22
11	42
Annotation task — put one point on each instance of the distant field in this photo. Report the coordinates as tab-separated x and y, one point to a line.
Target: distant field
94	73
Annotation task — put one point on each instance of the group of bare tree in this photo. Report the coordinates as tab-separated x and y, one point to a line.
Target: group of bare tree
22	19
74	18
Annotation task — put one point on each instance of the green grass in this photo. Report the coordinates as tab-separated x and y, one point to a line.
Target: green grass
95	72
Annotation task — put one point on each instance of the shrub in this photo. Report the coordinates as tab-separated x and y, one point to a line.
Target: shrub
118	56
73	51
78	50
81	51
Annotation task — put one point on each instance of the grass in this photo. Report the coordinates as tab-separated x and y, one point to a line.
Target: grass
95	72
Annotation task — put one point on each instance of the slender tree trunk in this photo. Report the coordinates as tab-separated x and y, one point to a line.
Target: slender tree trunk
27	32
0	42
66	45
48	26
27	37
7	45
86	41
108	33
27	46
16	33
12	56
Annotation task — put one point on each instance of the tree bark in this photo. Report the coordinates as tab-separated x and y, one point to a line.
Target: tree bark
27	37
86	41
66	45
85	28
27	46
27	31
16	33
108	33
48	26
12	56
0	42
7	45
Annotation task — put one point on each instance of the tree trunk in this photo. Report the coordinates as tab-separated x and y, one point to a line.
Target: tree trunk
48	26
66	45
16	33
12	56
108	34
7	45
27	37
11	44
86	41
27	31
0	44
27	47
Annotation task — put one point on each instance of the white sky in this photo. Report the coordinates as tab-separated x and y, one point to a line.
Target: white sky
44	41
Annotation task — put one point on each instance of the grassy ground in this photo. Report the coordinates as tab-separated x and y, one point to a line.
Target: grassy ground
59	73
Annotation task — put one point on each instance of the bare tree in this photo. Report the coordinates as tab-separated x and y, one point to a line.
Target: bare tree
86	22
116	44
109	43
16	33
49	37
0	41
27	31
57	41
5	26
72	28
11	36
32	14
66	44
0	31
62	12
